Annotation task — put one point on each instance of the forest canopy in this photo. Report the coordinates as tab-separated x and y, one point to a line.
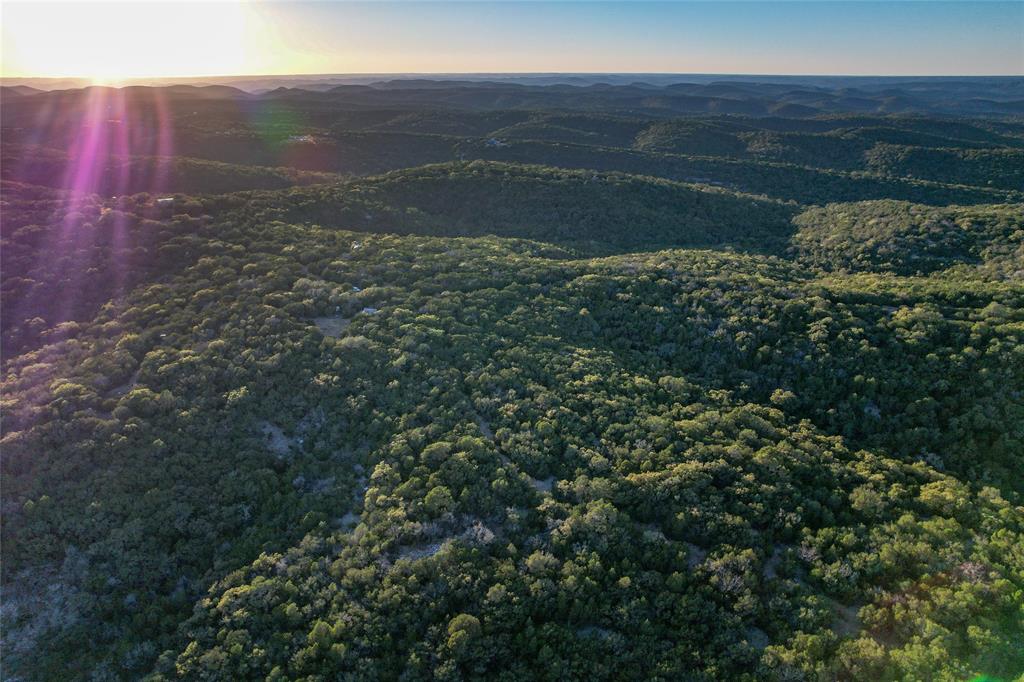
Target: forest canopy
463	389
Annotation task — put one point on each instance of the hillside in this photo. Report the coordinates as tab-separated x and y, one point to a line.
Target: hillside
889	236
514	416
116	175
590	211
428	381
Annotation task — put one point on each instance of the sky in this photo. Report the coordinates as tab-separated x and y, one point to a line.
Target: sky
112	41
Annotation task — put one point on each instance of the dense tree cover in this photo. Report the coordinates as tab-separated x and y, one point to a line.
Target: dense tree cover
892	236
611	131
704	138
118	175
987	167
716	465
592	212
887	146
817	160
775	179
834	149
604	419
63	256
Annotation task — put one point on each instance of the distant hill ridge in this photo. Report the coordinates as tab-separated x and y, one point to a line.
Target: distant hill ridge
758	96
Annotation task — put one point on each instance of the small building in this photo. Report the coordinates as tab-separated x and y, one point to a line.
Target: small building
165	202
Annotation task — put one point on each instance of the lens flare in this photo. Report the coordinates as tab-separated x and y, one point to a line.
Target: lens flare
118	142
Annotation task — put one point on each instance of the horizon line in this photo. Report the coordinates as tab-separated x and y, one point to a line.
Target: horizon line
365	74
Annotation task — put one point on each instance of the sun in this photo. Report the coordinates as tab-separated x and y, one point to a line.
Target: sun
110	42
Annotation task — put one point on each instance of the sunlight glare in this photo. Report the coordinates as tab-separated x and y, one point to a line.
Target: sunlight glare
112	41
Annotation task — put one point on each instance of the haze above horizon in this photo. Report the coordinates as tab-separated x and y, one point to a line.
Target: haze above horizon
110	42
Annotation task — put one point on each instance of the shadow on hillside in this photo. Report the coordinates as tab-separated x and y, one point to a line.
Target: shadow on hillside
594	213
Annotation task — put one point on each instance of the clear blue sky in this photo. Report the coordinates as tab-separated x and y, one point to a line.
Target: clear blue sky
855	37
904	37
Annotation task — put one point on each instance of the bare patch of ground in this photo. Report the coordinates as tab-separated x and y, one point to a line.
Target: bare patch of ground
770	571
126	387
543	485
653	532
279	443
313	421
332	326
475	533
846	620
422	550
34	602
350	518
694	555
485	427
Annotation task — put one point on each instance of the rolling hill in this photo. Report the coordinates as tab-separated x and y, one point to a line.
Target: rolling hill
528	378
